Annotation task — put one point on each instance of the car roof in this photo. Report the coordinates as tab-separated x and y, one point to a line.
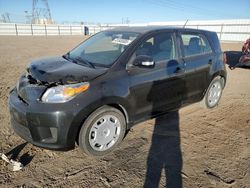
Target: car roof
145	29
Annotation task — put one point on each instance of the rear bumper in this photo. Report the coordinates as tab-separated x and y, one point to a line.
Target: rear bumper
43	125
245	64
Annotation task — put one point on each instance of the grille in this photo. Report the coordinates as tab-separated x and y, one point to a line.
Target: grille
28	89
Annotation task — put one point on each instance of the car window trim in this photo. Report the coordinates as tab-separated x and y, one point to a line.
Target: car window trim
197	55
201	54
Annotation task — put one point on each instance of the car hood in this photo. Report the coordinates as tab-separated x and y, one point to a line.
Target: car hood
62	71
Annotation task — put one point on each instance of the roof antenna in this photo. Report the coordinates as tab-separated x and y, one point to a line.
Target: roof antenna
185	24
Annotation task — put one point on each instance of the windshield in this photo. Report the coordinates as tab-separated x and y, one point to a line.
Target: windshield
103	48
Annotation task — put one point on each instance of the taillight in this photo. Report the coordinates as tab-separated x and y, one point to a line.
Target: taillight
225	58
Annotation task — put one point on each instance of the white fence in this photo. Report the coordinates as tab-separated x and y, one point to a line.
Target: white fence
227	30
40	29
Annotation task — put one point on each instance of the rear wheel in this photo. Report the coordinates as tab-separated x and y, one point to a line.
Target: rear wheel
102	131
213	93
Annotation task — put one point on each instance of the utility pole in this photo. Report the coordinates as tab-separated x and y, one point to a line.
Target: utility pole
28	17
127	20
41	13
6	17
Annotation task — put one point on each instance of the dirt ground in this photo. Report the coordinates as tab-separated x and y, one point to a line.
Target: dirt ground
211	146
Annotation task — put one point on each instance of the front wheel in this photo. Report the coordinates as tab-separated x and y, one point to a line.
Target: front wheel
213	93
102	131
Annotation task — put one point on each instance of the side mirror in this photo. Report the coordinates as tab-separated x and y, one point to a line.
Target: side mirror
144	61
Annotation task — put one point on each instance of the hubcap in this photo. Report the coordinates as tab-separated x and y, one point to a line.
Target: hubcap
104	133
214	93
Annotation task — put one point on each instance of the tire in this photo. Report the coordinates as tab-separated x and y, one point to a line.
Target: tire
213	93
102	131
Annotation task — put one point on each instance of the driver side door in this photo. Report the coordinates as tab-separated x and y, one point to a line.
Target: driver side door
160	88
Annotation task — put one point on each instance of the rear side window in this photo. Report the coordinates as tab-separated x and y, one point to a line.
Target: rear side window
195	44
160	47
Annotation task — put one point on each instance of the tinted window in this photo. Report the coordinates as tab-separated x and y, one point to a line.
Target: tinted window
160	47
195	44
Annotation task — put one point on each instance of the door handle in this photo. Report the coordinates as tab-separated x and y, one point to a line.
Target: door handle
179	70
210	61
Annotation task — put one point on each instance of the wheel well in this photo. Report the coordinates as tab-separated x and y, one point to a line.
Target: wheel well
117	106
122	109
224	81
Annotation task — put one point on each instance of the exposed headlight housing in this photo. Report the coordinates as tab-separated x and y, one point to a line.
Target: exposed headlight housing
64	93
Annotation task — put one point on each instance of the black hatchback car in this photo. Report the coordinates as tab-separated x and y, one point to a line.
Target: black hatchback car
93	94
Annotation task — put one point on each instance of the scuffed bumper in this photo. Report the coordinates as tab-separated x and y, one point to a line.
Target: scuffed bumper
43	125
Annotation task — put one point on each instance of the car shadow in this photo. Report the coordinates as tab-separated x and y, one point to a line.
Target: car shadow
165	152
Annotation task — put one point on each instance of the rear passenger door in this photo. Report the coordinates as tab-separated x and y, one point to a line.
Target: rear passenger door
198	57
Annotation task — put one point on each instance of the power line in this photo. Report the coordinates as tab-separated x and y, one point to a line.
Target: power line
170	6
203	10
182	7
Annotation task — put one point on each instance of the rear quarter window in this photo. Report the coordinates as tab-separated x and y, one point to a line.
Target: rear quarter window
195	44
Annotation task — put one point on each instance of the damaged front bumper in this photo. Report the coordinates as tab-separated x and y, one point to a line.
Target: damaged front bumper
45	125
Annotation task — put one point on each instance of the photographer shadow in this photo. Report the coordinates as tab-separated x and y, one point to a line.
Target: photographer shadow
165	152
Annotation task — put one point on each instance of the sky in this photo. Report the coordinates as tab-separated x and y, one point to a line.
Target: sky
135	11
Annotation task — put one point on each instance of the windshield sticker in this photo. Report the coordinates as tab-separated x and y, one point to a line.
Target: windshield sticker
121	41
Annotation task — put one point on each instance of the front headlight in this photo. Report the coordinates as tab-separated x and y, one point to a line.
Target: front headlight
64	93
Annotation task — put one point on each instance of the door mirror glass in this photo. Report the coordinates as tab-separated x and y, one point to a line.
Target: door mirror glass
144	61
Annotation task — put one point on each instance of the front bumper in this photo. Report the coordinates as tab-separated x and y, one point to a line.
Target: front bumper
50	126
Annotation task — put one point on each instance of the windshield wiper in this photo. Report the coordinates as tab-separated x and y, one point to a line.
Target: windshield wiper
66	56
79	59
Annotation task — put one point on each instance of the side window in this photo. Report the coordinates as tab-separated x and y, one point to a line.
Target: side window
195	44
160	47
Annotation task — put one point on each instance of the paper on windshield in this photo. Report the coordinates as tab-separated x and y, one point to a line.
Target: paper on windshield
121	41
